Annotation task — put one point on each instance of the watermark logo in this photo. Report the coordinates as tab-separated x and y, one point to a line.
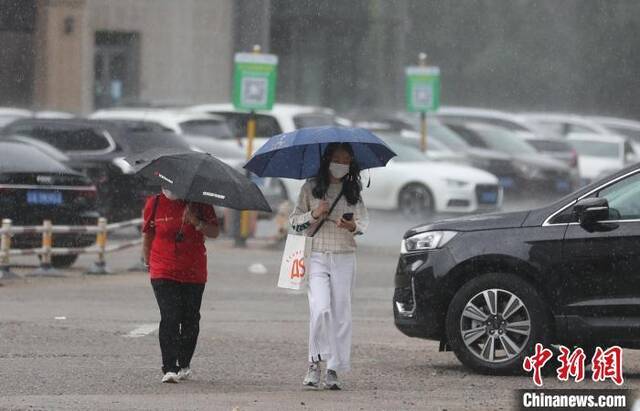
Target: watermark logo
605	364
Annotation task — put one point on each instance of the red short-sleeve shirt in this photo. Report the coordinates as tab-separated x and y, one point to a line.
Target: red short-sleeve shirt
184	261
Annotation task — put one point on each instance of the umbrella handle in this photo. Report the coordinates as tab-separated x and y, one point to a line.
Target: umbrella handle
193	209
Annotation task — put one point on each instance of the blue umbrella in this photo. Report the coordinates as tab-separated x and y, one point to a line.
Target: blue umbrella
297	154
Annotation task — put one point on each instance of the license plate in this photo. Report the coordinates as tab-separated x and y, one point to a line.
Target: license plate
563	185
44	197
488	197
507	182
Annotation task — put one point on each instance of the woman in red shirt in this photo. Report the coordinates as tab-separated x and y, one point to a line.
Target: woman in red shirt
174	233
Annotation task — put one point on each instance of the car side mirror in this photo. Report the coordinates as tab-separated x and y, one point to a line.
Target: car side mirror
591	210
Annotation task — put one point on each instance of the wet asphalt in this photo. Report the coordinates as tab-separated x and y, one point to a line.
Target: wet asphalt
89	342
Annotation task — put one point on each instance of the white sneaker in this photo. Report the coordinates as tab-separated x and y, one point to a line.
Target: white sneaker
312	378
184	374
170	377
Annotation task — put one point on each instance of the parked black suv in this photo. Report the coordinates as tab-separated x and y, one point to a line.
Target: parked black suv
97	148
489	287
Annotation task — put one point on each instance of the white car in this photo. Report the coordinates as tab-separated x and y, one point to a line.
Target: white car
600	154
418	186
628	128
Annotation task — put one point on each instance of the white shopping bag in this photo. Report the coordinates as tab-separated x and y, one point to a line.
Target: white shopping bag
293	269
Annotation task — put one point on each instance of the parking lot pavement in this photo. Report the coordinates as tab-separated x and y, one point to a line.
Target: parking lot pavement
90	342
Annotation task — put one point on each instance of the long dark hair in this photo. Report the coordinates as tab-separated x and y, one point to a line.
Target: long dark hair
351	182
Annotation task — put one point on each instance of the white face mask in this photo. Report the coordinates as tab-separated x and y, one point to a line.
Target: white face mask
169	194
338	170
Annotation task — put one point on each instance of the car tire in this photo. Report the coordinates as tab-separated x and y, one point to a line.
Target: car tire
416	200
519	310
63	261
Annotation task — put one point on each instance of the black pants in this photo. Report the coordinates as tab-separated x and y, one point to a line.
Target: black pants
179	305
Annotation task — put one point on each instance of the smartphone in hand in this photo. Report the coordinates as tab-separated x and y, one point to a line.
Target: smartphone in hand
347	216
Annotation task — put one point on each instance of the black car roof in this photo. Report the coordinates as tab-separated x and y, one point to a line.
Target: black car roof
117	129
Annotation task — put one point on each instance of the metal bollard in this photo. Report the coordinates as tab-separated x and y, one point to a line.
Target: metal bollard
100	266
5	246
139	266
46	269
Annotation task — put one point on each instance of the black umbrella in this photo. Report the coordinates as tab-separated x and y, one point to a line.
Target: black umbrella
199	177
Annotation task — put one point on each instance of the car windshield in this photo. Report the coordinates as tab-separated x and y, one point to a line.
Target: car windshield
446	136
209	128
68	139
497	122
314	120
413	141
141	141
405	153
503	140
592	148
20	157
554	146
266	126
217	148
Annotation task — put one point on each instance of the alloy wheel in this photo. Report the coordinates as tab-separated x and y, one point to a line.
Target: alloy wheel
495	325
416	201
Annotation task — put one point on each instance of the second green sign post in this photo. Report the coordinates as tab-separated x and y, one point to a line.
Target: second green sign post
254	88
423	93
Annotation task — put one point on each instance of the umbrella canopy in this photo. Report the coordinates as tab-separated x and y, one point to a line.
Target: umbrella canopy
298	154
199	177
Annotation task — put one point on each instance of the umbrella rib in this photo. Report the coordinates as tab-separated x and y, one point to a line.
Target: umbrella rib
193	177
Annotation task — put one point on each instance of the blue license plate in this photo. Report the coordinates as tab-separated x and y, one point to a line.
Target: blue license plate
44	197
563	185
506	182
488	197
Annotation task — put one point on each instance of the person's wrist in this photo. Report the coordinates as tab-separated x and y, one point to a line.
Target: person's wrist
313	216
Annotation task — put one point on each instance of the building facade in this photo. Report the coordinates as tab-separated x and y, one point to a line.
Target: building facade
79	55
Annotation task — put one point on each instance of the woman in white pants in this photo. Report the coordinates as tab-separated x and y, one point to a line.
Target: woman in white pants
331	204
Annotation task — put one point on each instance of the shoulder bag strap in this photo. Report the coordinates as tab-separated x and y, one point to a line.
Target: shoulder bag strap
152	220
335	202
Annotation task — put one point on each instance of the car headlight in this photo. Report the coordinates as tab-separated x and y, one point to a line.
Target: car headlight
426	241
456	183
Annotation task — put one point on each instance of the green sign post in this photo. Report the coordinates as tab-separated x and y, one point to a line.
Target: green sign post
254	81
254	88
423	89
423	93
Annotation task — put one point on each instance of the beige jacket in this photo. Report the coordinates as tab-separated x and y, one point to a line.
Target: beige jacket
329	238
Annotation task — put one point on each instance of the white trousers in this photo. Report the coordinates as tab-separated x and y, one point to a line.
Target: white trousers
331	280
